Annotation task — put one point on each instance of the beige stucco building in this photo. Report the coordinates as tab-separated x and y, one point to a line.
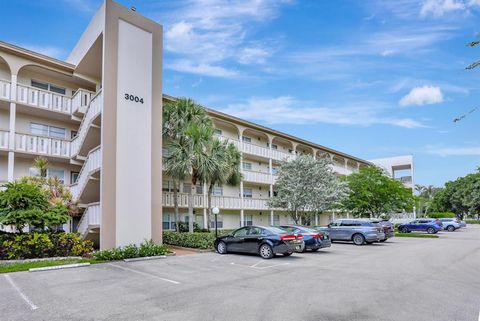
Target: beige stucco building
97	118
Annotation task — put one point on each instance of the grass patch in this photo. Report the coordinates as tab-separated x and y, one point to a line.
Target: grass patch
25	266
419	235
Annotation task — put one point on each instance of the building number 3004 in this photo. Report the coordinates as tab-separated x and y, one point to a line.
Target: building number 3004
133	98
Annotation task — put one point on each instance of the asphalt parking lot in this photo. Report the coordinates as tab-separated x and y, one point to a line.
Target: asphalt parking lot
403	279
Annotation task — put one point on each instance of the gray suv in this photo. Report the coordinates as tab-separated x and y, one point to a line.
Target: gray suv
357	231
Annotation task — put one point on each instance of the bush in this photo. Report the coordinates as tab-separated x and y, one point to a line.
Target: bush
193	240
147	248
472	221
184	227
441	215
42	245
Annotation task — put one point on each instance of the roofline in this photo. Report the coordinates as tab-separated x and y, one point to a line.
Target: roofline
35	56
277	133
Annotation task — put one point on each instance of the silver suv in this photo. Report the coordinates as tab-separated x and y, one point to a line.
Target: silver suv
357	231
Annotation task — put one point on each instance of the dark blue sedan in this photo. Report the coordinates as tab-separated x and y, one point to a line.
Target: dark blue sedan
314	240
426	225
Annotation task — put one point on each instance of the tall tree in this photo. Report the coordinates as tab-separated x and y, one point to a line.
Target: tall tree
426	195
178	116
225	169
372	193
306	186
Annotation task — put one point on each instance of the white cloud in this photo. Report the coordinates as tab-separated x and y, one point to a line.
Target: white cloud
454	151
50	51
439	8
287	110
201	69
209	32
422	96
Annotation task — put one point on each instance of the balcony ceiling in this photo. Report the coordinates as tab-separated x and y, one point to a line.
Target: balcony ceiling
91	64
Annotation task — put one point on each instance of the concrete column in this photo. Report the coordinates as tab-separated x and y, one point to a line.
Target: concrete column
241	203
205	218
333	215
205	206
11	162
271	217
316	219
348	214
241	217
346	163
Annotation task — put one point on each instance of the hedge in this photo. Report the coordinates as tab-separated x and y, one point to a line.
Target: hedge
441	215
147	248
43	244
472	221
195	240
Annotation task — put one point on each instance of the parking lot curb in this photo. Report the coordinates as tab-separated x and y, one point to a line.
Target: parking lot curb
192	249
58	267
147	258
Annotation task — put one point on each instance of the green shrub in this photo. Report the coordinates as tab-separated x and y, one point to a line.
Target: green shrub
40	245
441	215
147	248
193	240
472	221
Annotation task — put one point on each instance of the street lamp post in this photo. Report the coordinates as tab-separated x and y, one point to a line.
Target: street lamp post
215	212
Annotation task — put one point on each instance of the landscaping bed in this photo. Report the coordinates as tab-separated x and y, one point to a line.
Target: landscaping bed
195	240
419	235
30	264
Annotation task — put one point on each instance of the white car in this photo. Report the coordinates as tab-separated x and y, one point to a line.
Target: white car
450	224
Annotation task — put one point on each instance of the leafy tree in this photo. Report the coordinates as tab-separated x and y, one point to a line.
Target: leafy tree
425	197
306	186
188	132
372	193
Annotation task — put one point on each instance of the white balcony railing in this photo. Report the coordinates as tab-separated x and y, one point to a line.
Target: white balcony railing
168	199
4	89
42	145
254	203
43	99
92	164
226	202
90	219
4	135
257	177
256	150
93	110
278	155
222	202
80	100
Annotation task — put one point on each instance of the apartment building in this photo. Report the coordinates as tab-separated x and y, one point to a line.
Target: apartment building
97	118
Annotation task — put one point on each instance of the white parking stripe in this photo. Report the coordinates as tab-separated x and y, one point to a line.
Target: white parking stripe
144	273
22	295
256	264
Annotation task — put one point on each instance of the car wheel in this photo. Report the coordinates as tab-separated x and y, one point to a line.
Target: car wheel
431	230
287	254
383	240
265	251
222	248
450	228
358	239
403	230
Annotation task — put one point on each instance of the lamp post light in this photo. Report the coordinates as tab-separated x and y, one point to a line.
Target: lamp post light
215	212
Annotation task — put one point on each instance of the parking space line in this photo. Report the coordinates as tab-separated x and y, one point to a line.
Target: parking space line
144	273
271	266
256	264
22	295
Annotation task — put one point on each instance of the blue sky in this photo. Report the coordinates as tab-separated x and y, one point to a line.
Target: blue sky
369	78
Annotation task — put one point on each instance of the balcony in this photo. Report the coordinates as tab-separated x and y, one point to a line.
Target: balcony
256	150
90	219
4	89
406	180
40	98
41	145
80	101
91	165
222	202
257	177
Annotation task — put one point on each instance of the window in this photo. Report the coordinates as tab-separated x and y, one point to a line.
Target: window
255	231
165	152
275	193
186	188
73	177
274	146
217	132
248	220
47	86
276	220
199	189
46	130
168	221
247	192
218	190
167	186
241	232
219	222
58	173
246	139
247	166
274	170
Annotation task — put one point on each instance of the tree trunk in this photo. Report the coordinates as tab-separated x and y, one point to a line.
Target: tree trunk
190	207
209	204
175	205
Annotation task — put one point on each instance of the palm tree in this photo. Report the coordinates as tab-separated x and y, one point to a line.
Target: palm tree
427	193
187	131
225	168
41	164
